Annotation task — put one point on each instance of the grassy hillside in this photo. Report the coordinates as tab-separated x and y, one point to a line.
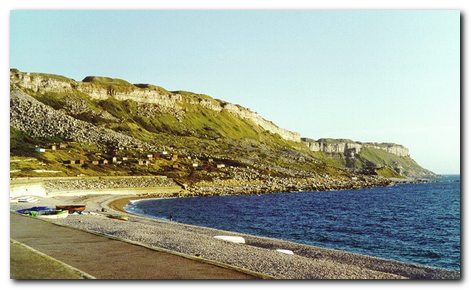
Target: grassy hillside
190	130
379	158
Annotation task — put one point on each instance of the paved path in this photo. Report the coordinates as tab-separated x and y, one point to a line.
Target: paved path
106	258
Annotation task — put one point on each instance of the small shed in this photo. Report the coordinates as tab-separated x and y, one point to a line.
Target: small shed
41	150
143	162
95	162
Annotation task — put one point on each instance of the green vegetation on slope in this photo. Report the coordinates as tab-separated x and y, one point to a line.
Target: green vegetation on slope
379	158
193	129
388	172
106	81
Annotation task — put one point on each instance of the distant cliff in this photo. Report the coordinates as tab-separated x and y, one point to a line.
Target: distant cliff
346	146
383	158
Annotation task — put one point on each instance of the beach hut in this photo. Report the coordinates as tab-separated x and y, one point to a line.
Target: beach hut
174	157
143	162
95	162
53	147
220	165
41	150
80	161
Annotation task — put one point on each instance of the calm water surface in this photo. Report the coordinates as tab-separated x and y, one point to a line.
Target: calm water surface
415	223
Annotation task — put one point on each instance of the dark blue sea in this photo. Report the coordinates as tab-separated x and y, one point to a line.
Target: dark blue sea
414	223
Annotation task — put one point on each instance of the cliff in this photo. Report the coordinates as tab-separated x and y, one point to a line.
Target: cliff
99	113
346	146
382	158
102	88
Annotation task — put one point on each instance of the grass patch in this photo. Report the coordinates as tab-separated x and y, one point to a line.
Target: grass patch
387	172
380	158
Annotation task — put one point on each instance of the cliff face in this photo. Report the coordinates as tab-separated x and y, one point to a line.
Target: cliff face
395	149
382	158
101	88
348	147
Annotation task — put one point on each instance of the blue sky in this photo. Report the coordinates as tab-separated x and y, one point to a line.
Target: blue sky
365	75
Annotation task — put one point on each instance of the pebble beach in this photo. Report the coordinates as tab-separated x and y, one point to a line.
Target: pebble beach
258	254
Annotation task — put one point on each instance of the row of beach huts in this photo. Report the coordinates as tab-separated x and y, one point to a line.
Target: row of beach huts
144	160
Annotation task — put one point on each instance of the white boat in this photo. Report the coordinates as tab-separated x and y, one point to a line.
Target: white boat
289	252
54	214
30	199
232	239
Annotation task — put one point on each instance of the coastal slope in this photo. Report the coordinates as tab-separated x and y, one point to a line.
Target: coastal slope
104	126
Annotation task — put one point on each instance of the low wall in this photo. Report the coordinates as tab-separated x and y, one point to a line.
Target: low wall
42	188
29	188
116	191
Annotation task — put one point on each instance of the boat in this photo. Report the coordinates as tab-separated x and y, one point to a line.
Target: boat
34	209
44	212
232	239
71	208
289	252
53	214
30	199
118	217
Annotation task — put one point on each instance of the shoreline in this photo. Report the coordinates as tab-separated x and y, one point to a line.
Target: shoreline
119	204
257	255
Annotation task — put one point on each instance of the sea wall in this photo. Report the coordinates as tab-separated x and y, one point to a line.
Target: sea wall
76	186
35	188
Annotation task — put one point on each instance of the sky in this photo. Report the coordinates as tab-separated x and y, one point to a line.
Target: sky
371	76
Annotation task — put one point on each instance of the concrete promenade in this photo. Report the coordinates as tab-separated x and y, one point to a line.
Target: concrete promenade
105	258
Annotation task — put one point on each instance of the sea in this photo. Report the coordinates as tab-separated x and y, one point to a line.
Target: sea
412	223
